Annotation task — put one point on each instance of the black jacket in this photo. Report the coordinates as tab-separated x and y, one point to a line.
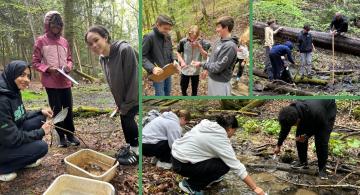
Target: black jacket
12	117
315	116
305	42
157	49
340	24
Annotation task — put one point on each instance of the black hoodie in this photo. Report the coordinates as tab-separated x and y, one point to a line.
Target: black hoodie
315	116
222	59
157	49
12	110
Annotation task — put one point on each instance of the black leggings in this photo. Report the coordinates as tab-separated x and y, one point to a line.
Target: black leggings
59	99
130	127
321	145
184	83
202	173
13	159
160	150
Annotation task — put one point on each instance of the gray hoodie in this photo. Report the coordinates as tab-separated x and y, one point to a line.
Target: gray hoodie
165	127
205	141
121	71
222	59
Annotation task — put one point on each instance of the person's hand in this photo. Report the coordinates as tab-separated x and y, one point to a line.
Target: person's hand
277	149
67	69
46	127
157	71
196	64
203	75
182	64
47	112
301	138
259	191
51	70
239	49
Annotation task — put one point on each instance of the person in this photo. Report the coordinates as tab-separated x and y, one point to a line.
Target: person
269	42
312	118
52	51
242	53
222	60
204	155
191	48
278	67
120	65
157	53
160	133
21	131
339	25
306	47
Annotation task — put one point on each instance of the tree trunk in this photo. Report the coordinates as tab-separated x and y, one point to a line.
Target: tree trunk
348	45
69	15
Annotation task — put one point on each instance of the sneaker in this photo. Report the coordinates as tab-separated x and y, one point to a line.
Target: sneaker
73	140
124	150
216	181
35	164
299	165
63	143
8	177
163	165
184	186
126	157
323	175
153	161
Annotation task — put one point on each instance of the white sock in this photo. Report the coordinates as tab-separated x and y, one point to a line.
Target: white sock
135	149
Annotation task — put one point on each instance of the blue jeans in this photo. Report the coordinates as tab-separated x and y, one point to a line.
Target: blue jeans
163	88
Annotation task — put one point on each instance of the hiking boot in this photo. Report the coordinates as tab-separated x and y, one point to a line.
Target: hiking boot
300	165
73	140
8	176
184	186
126	157
35	164
63	143
163	165
216	181
323	175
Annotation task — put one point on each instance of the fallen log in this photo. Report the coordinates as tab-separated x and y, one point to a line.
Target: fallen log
235	111
337	72
233	104
297	79
88	77
88	111
282	167
343	44
286	89
252	104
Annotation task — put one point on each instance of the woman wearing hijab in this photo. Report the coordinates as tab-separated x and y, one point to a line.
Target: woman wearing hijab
21	132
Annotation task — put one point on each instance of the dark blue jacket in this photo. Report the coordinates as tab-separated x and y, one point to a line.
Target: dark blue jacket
282	50
305	42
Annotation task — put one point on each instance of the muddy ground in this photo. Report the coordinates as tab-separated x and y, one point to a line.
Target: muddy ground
158	181
100	133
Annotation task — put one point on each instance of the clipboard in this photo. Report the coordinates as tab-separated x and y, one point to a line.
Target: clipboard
66	75
168	70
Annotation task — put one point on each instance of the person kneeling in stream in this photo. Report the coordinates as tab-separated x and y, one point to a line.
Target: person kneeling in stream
21	132
312	118
160	133
204	155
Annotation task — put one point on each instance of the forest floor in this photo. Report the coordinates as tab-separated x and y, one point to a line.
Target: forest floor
94	130
159	181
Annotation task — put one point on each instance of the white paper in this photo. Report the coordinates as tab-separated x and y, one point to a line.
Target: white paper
66	75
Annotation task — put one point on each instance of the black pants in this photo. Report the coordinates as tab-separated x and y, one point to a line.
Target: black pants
161	150
268	67
130	127
13	159
321	145
184	83
59	99
202	173
241	67
343	27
